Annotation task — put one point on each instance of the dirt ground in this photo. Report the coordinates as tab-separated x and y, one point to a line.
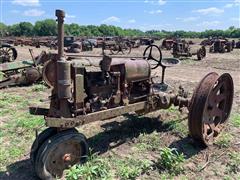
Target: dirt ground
121	135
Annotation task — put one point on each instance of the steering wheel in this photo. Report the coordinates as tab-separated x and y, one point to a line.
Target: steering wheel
154	59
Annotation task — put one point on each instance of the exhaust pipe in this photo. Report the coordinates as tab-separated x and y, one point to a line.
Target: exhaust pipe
63	70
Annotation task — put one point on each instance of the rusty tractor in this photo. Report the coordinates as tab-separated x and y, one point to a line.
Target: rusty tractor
23	72
237	44
82	93
182	49
221	46
7	53
80	46
115	46
167	43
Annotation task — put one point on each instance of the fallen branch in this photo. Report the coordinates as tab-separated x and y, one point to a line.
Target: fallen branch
208	162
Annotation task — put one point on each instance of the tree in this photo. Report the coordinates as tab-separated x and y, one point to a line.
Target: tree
46	27
3	30
26	29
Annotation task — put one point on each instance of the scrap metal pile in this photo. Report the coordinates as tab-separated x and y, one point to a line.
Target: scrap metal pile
23	72
82	94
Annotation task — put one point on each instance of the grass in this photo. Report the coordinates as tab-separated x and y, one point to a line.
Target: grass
149	142
39	88
234	162
95	168
16	128
109	168
235	120
131	168
224	140
170	161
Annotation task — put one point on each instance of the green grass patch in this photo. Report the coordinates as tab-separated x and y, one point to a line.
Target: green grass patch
177	126
130	168
224	140
235	120
171	161
17	131
39	88
234	162
95	168
151	142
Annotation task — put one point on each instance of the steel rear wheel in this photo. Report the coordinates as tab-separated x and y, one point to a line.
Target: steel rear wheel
210	107
60	152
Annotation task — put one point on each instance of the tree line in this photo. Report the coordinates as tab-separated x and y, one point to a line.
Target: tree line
48	27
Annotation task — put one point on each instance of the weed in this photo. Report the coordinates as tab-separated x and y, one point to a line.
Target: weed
170	160
224	140
39	87
177	127
149	141
235	120
130	168
234	162
95	168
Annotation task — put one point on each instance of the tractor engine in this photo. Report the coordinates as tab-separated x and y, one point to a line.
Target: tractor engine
114	82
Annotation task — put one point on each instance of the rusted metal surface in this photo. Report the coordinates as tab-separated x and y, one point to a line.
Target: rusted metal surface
220	46
183	49
7	53
117	46
168	43
210	107
23	72
59	152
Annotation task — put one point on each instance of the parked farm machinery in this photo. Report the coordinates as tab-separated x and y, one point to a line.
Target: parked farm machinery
167	43
116	46
82	93
7	53
80	46
23	72
182	49
221	46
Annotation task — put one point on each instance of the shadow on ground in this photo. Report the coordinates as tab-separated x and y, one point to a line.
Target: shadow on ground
114	134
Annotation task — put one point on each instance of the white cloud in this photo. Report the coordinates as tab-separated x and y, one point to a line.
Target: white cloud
33	12
111	19
188	19
228	5
159	2
70	16
235	19
209	23
131	21
26	2
154	11
211	10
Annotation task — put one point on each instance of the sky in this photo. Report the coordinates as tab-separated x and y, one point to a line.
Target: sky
190	15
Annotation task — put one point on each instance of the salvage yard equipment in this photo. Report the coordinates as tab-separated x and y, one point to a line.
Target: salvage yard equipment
82	94
23	72
146	41
7	53
182	48
221	46
80	46
116	46
167	43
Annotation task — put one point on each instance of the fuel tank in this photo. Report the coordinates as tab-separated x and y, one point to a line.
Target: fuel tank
132	69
